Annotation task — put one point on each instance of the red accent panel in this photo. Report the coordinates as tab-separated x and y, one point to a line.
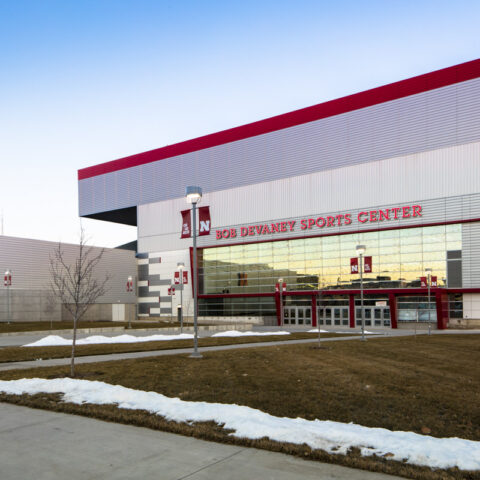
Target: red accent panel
392	302
278	308
441	300
314	310
404	88
351	310
186	231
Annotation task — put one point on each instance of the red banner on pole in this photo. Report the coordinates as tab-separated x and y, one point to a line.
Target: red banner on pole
176	278
423	282
354	265
433	281
204	221
186	224
367	264
171	291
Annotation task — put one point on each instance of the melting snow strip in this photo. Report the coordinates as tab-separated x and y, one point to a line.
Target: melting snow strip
246	422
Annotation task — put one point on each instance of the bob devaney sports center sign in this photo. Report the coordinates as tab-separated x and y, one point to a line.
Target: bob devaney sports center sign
315	223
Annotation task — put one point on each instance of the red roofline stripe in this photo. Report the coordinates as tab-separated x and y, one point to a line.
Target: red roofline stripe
393	91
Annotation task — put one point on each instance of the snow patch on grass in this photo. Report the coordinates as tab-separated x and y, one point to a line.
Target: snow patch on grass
236	333
246	422
56	340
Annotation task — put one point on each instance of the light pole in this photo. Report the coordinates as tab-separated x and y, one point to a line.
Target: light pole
194	195
280	288
360	252
428	271
181	266
172	293
129	289
8	284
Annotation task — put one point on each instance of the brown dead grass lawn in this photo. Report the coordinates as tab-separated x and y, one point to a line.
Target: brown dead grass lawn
23	354
396	383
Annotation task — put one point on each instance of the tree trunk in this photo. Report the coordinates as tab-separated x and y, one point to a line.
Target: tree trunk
72	362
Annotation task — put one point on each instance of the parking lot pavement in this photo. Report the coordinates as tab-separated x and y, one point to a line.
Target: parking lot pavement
42	445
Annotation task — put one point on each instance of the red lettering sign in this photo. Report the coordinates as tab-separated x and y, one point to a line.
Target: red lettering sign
338	220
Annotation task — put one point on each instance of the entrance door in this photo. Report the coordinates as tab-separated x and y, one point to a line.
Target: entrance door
374	316
333	316
297	316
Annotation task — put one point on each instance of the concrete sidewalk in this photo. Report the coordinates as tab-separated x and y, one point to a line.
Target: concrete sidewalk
42	445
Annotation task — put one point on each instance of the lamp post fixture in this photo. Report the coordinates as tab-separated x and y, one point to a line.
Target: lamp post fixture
8	284
280	288
129	289
181	266
428	271
361	252
194	195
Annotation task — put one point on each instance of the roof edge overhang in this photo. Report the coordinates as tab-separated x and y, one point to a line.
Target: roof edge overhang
125	216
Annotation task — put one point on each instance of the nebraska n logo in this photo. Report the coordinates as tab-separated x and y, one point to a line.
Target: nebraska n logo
204	221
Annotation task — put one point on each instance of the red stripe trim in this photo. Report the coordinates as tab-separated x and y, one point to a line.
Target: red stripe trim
371	291
404	88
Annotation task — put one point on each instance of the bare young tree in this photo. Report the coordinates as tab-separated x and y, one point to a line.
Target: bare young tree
74	283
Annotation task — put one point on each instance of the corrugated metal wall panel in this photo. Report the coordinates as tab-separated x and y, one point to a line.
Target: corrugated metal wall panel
429	176
431	120
29	260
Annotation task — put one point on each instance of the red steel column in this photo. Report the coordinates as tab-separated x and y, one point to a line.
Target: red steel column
351	309
392	302
314	310
441	300
277	306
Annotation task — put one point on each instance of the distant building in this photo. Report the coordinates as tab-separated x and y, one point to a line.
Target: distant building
29	263
396	168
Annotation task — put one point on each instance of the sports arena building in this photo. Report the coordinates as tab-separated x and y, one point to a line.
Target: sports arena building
395	168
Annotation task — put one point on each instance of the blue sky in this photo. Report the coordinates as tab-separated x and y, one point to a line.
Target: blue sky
83	82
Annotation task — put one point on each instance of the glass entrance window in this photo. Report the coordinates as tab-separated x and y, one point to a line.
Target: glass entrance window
333	316
336	316
308	316
328	316
297	316
374	316
300	315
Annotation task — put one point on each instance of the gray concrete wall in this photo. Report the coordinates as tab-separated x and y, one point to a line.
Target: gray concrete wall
28	306
35	306
101	312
